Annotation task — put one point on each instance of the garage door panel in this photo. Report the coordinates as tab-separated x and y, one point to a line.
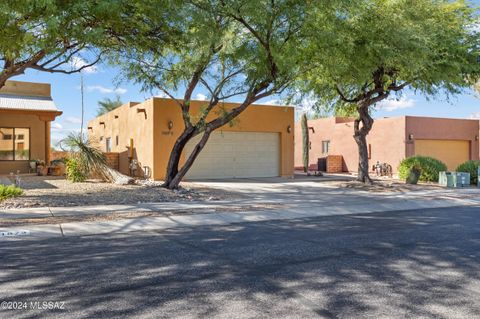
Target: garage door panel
237	154
451	152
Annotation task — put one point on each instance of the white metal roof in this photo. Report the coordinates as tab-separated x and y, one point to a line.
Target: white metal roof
29	103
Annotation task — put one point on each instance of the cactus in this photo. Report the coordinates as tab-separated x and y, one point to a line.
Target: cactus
306	142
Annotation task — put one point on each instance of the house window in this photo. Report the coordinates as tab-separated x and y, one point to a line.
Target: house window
116	140
108	144
369	151
14	144
325	147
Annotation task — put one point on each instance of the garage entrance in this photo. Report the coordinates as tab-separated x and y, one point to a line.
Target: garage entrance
237	155
451	152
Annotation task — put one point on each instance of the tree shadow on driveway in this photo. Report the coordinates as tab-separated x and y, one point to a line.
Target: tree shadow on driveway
396	265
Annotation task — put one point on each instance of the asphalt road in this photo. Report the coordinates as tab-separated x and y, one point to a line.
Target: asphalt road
385	265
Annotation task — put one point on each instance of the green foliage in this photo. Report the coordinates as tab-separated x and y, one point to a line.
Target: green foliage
472	168
428	166
428	45
63	36
231	50
306	142
107	104
9	191
75	171
85	159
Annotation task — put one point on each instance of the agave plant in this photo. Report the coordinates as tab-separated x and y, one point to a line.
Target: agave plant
89	159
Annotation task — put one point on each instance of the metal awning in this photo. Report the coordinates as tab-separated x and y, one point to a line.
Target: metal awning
27	103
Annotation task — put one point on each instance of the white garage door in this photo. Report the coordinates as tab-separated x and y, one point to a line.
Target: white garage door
236	155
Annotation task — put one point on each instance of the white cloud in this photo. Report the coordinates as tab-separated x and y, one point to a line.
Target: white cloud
475	116
162	95
77	62
57	126
73	120
393	104
120	91
273	102
201	97
106	90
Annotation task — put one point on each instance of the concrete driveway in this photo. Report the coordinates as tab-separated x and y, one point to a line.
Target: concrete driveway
310	193
253	200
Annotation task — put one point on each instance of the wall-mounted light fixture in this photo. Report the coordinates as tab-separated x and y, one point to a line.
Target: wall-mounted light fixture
312	128
476	137
170	125
410	136
289	129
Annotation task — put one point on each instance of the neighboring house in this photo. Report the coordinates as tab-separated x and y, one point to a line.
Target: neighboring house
26	110
259	143
452	141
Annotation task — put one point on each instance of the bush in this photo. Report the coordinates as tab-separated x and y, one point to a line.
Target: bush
75	171
9	191
85	160
428	166
470	167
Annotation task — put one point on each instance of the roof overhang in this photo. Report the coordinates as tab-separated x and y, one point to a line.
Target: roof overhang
42	115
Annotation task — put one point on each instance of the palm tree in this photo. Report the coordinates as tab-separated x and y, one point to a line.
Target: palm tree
108	104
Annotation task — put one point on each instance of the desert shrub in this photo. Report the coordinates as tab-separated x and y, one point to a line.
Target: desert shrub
9	191
470	167
85	160
428	166
58	161
75	171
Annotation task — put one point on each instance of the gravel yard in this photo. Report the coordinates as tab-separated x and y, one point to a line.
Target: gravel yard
41	191
386	186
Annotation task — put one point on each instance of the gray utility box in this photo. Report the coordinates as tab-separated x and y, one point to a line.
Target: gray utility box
478	175
454	179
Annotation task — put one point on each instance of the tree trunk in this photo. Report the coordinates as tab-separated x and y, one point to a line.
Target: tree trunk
175	175
305	142
175	154
360	136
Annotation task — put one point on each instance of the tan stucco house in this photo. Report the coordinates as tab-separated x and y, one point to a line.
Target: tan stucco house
452	141
258	144
26	110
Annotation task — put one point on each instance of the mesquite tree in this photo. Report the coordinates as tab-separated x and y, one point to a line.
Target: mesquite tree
381	47
58	36
305	142
230	49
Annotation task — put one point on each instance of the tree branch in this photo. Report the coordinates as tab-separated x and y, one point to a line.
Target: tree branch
344	98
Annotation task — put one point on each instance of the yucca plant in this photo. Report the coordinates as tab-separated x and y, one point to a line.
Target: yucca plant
87	158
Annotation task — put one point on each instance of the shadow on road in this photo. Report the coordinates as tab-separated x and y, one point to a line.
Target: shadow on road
402	264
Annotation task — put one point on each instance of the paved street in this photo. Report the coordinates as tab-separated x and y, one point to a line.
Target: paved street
419	263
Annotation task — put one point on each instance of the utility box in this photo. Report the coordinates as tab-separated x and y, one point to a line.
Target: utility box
478	175
445	179
463	179
454	179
